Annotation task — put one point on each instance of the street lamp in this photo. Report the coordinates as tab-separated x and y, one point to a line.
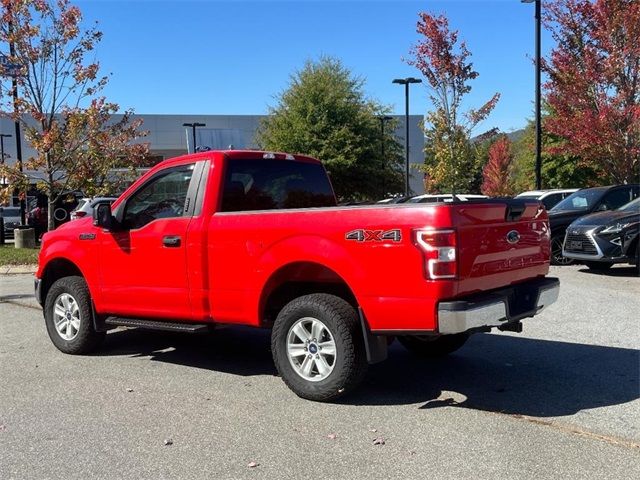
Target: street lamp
406	82
2	137
538	94
383	119
193	127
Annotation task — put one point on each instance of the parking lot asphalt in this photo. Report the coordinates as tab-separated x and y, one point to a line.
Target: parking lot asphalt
560	400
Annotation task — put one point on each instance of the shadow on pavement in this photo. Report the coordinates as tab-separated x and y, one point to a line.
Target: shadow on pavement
614	271
492	372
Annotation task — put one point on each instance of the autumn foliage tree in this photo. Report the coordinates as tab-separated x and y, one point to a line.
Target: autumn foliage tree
444	61
495	174
70	126
593	91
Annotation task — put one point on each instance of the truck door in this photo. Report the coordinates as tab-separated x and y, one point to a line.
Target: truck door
143	263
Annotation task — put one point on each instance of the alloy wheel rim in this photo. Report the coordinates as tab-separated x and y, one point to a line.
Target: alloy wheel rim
556	253
311	349
66	316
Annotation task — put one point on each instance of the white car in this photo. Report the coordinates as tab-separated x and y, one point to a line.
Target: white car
86	205
549	198
447	197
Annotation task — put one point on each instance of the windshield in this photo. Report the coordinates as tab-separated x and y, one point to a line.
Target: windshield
583	200
631	206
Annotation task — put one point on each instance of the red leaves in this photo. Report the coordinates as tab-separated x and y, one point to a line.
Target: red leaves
593	90
496	172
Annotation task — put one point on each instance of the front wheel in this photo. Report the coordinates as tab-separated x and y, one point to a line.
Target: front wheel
68	317
557	258
318	347
433	346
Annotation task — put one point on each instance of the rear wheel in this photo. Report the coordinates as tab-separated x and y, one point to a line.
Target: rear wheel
433	346
68	317
556	251
598	266
318	347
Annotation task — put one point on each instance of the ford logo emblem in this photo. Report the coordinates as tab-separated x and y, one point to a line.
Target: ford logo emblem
513	237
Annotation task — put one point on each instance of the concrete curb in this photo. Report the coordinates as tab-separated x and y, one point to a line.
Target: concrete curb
18	269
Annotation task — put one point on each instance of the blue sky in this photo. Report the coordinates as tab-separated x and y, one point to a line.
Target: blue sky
233	57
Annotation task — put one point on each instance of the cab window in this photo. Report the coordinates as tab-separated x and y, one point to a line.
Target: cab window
163	196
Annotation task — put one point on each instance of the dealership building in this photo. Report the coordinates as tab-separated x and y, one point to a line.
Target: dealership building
169	138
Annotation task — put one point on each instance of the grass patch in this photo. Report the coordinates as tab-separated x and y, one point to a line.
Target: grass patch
9	255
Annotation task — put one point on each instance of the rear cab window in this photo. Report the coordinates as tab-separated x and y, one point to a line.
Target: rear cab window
269	184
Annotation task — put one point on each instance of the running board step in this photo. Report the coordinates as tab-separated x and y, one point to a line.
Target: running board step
158	325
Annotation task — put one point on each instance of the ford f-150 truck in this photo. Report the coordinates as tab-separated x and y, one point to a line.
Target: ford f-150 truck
256	238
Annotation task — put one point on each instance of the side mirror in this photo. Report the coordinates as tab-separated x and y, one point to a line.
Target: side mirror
602	208
102	216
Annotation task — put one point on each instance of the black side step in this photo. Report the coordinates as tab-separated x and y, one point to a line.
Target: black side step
158	325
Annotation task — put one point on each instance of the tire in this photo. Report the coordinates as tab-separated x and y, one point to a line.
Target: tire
433	347
75	333
599	266
335	324
557	258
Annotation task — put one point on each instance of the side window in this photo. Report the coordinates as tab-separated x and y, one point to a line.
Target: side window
617	198
275	184
162	197
550	200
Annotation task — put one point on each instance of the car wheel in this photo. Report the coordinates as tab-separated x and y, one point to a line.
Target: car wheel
598	266
318	347
68	317
433	346
556	251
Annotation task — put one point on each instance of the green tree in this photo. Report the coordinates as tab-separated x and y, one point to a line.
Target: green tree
325	113
559	170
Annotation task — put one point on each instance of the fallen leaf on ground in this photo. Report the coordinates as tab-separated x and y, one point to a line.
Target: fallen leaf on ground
253	464
129	390
379	441
332	436
168	442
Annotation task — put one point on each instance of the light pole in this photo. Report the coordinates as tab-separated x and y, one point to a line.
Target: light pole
383	119
193	127
538	94
2	137
406	82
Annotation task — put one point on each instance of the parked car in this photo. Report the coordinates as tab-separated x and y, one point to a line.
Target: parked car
395	200
38	216
11	216
86	205
256	239
581	203
549	198
446	197
601	239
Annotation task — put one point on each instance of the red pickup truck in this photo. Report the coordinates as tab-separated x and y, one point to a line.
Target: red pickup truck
256	238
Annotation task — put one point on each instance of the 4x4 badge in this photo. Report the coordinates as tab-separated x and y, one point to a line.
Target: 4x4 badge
374	235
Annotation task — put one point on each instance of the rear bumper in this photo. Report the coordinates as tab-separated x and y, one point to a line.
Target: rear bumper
498	307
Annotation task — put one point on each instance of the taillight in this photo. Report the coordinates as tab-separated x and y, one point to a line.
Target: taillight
440	252
79	214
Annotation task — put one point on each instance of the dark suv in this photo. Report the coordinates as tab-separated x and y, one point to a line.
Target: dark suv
604	238
584	202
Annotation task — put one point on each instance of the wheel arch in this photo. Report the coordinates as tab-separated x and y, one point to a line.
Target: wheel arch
300	278
54	270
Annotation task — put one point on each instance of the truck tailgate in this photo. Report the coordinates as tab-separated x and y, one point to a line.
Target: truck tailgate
500	242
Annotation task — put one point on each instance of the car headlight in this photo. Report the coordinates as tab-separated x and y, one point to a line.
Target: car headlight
615	228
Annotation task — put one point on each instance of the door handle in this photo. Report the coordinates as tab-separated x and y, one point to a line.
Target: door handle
171	241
